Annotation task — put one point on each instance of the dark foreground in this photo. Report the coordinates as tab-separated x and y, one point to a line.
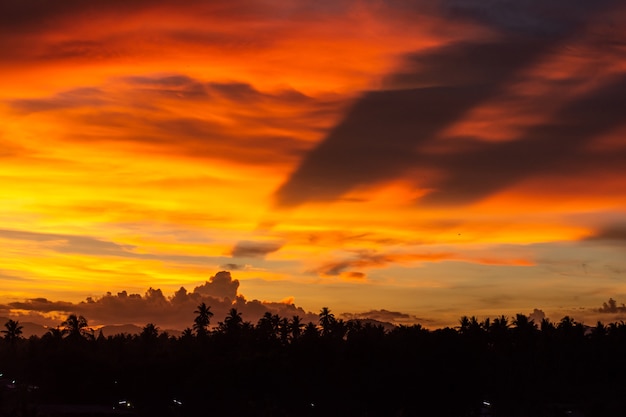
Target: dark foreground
492	368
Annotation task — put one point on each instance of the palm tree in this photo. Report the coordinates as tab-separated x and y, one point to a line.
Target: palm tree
54	333
13	330
186	334
267	326
296	327
284	330
149	333
202	320
233	322
75	326
310	331
327	320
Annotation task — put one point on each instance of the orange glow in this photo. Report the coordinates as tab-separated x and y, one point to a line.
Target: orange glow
143	148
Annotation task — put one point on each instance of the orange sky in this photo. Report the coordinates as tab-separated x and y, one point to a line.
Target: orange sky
407	161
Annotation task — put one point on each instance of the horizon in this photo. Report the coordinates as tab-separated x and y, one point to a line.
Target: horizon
406	162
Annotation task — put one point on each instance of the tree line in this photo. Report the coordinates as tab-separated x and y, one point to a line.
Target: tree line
282	366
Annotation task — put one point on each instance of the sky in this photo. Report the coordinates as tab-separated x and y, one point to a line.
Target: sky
406	161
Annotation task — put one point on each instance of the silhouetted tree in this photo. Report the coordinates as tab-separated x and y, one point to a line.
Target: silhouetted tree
284	330
310	331
232	324
267	327
13	330
202	320
186	334
75	326
327	320
296	327
149	333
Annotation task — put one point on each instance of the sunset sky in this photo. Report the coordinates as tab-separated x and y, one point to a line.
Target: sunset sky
409	161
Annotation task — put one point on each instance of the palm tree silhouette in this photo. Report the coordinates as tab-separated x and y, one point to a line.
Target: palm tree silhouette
296	327
327	320
149	333
202	320
13	330
75	326
232	323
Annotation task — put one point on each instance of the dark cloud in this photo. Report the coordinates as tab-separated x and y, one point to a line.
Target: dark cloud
380	137
369	259
78	97
40	304
527	17
552	148
394	131
177	86
537	315
221	285
233	267
612	307
616	233
37	15
249	249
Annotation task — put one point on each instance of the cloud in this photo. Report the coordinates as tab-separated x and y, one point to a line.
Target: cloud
64	243
545	149
11	276
221	285
174	312
364	259
78	97
386	316
249	249
616	233
168	114
400	130
380	137
233	267
86	245
537	316
369	259
525	17
612	307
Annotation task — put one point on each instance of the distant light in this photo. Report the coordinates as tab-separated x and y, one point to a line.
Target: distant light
312	404
487	403
177	402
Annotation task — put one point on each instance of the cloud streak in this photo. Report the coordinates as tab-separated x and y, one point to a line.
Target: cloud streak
401	129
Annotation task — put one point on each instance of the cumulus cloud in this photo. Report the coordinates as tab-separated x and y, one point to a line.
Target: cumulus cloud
221	285
168	312
612	307
537	315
